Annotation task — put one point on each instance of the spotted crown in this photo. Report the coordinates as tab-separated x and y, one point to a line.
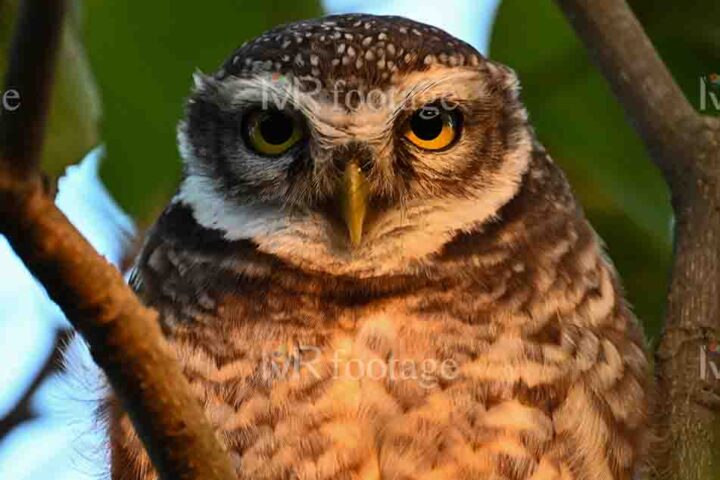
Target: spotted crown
361	50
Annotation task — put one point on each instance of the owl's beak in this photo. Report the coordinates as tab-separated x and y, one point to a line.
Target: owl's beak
354	201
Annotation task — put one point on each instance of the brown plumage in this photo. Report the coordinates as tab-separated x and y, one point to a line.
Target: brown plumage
481	335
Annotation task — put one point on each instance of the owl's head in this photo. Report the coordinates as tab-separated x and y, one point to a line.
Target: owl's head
353	144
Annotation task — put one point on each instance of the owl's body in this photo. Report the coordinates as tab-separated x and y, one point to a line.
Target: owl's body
474	331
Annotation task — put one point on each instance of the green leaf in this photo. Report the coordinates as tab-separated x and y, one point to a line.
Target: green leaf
585	130
143	54
74	116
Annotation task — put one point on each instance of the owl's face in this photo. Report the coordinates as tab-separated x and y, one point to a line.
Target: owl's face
353	144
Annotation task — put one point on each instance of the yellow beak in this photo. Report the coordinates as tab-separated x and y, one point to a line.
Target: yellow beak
354	201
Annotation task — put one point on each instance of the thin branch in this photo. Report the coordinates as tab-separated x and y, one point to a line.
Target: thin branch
124	336
22	411
653	102
686	147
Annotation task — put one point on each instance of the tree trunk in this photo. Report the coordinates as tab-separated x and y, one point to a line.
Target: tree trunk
686	147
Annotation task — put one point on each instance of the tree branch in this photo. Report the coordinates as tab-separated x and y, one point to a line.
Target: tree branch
124	336
673	132
686	147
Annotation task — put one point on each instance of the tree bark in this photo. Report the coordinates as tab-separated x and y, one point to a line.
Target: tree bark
686	147
124	336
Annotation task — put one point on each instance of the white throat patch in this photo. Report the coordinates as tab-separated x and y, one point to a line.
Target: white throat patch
397	242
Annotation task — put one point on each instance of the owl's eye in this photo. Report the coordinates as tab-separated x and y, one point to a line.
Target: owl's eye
432	127
272	132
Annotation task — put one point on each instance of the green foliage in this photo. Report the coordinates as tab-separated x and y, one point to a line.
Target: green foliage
73	124
143	54
585	130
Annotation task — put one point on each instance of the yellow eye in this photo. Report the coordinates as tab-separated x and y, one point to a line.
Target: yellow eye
272	132
432	127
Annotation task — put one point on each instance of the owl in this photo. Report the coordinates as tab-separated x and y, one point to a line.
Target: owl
372	270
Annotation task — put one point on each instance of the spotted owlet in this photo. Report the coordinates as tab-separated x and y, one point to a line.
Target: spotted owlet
373	270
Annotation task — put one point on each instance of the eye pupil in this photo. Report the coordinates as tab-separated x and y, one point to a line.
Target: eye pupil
271	132
433	127
276	128
427	123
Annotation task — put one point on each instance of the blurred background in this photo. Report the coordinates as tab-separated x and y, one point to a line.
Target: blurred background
123	72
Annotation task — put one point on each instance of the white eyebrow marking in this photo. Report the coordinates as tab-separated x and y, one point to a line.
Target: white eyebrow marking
333	122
